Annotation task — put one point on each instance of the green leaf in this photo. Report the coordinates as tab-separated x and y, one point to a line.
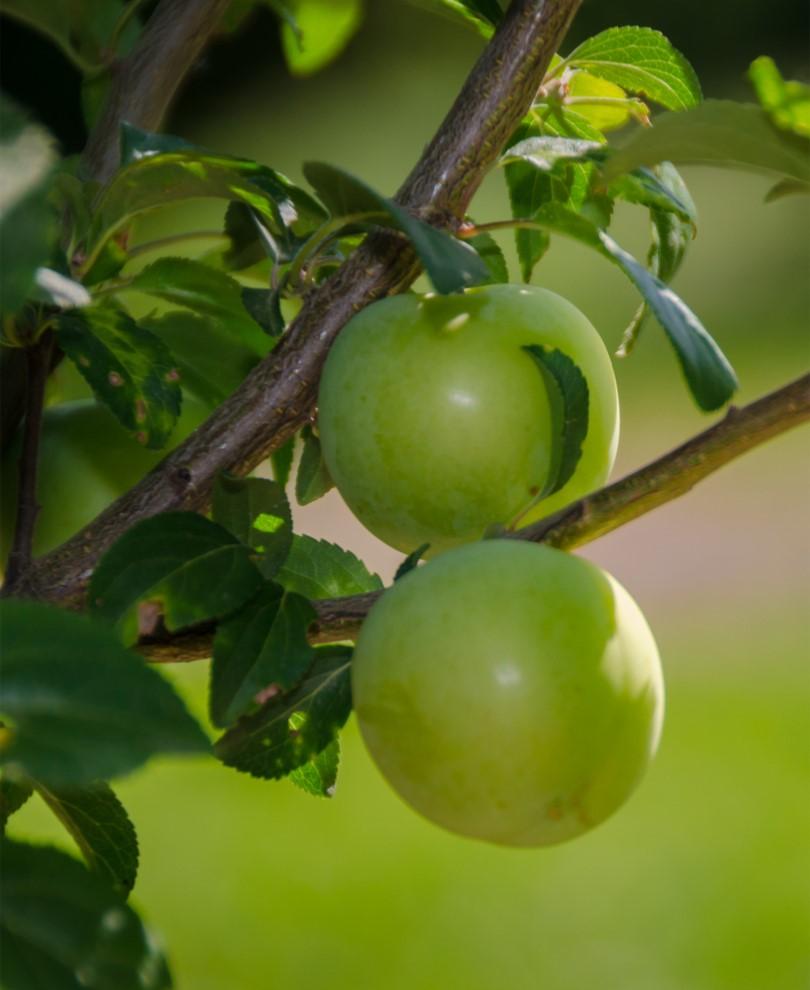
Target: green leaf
130	369
490	252
718	132
27	223
264	305
205	291
178	568
410	562
259	652
321	31
281	461
708	373
13	795
78	706
646	187
462	11
450	264
640	60
787	102
211	361
258	514
545	152
101	828
313	479
319	776
64	928
568	395
276	741
318	569
588	94
158	176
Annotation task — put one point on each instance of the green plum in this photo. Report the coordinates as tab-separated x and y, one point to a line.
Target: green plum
435	423
510	692
86	460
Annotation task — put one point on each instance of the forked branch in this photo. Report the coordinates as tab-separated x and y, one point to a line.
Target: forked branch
664	479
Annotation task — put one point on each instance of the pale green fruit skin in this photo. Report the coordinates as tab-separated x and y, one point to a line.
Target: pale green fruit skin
86	460
435	423
509	692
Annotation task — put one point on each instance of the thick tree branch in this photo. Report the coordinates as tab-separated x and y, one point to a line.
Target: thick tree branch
146	81
670	476
38	363
278	396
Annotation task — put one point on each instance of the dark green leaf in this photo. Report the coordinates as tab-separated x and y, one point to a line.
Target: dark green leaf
178	568
410	562
205	291
450	264
27	222
137	144
787	102
318	569
80	707
130	369
319	776
101	828
787	187
568	396
275	740
718	132
264	305
258	652
211	361
319	33
645	187
258	514
64	928
281	460
247	247
640	60
710	377
13	795
492	256
313	479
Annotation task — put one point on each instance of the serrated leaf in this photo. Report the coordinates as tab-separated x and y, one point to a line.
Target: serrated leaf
644	187
27	223
158	176
267	744
640	60
129	369
262	648
79	707
177	568
321	31
604	116
204	291
211	362
411	561
318	569
709	375
258	514
313	479
101	828
718	132
13	795
545	152
319	776
787	102
450	264
64	928
568	397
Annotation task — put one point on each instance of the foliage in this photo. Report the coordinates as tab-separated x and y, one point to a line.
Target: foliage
79	706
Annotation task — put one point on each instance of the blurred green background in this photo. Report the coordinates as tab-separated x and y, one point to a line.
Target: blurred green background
703	880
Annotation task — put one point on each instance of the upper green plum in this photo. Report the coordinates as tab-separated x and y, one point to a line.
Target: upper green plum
435	423
509	692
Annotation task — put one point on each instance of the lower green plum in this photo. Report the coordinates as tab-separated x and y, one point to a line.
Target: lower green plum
509	692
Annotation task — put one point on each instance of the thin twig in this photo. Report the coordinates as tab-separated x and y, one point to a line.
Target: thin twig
38	362
277	397
664	479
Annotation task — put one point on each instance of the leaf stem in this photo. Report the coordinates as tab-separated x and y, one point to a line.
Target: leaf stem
38	363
